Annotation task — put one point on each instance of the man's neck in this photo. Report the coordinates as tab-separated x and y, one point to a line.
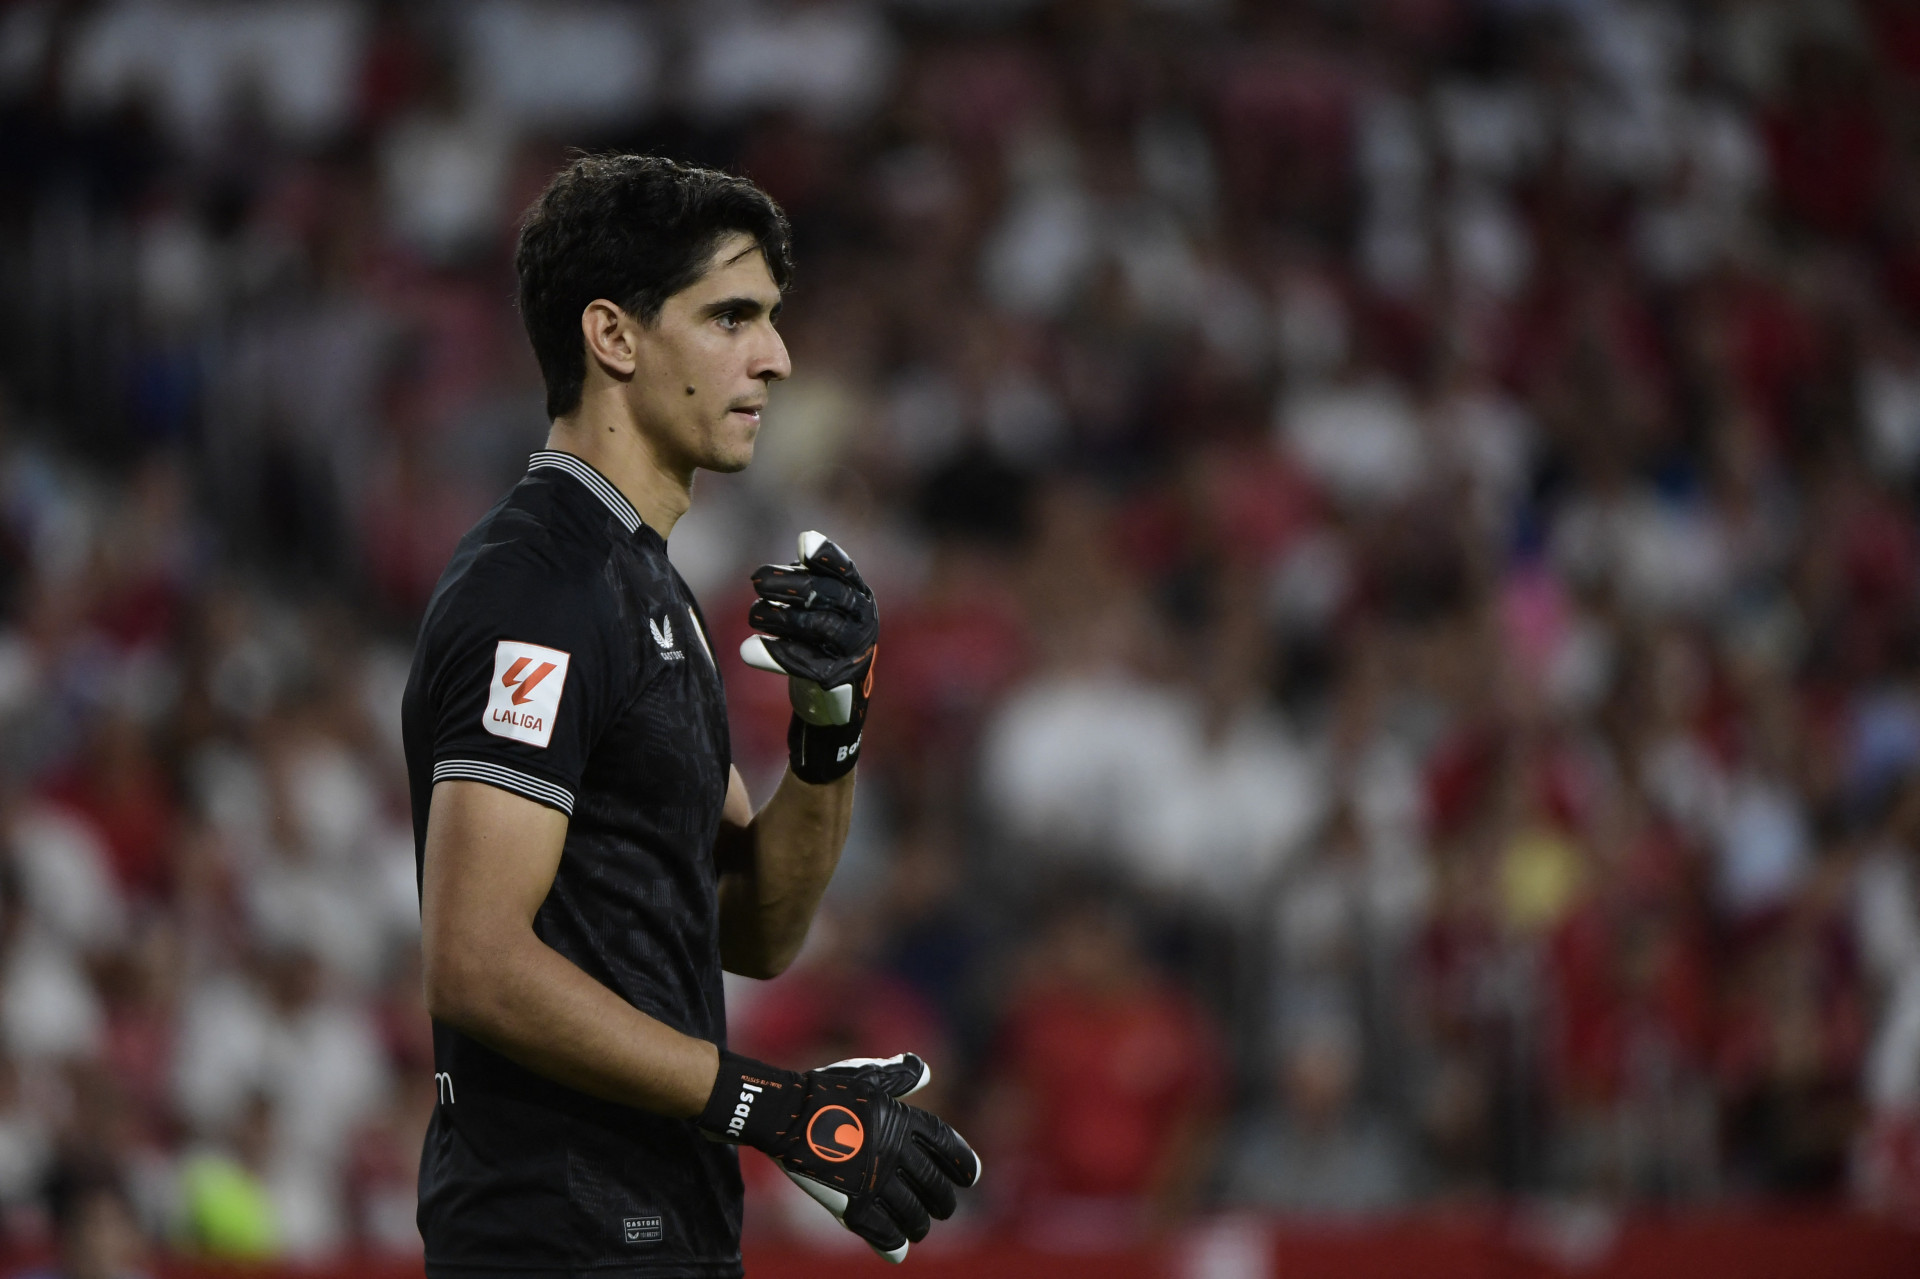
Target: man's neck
603	436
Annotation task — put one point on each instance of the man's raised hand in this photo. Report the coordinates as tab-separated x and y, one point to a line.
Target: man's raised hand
816	622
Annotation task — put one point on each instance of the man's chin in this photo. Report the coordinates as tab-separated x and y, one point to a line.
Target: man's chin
726	462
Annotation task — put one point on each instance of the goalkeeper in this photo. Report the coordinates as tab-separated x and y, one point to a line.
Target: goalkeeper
588	857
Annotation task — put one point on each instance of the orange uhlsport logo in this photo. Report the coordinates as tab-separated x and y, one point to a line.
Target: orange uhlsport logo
835	1134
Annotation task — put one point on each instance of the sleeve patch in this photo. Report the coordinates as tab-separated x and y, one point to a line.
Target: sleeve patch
523	698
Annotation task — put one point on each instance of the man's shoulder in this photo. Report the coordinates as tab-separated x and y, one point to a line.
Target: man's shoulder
535	516
524	557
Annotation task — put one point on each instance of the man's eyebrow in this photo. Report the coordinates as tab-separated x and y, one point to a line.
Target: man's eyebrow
746	306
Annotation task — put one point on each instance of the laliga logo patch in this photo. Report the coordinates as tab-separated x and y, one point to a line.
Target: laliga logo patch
835	1134
524	695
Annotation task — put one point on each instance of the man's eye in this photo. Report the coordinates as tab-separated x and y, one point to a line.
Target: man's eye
729	319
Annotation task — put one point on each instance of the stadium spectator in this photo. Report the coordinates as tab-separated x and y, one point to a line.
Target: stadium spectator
94	1228
1422	496
1312	1150
1111	1086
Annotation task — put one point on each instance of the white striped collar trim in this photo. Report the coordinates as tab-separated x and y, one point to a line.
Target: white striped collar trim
511	779
598	484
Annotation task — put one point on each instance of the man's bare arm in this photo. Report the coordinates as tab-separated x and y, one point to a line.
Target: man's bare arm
774	869
489	862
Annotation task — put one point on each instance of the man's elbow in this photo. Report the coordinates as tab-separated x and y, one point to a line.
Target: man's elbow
444	991
757	969
457	987
759	964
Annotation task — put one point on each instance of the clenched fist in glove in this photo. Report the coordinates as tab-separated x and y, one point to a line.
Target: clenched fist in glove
818	625
880	1166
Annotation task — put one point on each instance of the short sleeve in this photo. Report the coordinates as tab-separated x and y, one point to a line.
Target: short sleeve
528	674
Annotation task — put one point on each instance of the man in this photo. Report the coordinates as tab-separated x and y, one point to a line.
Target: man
589	859
96	1233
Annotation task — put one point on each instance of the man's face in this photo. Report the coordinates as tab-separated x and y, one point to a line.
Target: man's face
704	367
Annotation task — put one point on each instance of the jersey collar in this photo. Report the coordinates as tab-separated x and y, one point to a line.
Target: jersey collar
597	484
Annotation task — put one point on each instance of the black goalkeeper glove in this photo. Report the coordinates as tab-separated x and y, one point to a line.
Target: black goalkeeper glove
881	1167
819	626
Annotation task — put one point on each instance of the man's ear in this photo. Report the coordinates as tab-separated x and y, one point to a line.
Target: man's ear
610	338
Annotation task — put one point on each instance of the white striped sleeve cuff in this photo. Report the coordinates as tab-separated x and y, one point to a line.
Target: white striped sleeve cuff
476	770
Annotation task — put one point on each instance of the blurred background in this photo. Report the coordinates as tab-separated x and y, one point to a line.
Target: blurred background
1396	532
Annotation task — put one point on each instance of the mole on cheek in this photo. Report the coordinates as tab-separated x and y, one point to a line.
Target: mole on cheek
689	390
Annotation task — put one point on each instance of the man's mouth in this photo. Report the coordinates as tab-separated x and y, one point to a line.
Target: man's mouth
748	410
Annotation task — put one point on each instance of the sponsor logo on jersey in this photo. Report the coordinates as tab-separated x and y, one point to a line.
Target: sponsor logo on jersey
443	1085
663	636
835	1134
643	1229
524	695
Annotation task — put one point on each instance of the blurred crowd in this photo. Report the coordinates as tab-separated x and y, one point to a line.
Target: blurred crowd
1395	526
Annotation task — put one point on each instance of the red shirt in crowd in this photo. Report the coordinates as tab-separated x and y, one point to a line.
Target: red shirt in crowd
1111	1083
120	790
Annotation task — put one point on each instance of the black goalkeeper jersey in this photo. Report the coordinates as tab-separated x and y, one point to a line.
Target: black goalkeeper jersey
562	658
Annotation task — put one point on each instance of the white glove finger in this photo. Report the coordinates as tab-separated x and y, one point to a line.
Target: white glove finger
835	1202
753	651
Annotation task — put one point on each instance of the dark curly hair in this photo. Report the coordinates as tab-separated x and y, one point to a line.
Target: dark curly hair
634	229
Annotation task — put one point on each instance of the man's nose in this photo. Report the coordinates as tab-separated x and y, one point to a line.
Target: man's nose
771	363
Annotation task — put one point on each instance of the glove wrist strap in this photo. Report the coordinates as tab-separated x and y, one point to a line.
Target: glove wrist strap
751	1102
823	753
